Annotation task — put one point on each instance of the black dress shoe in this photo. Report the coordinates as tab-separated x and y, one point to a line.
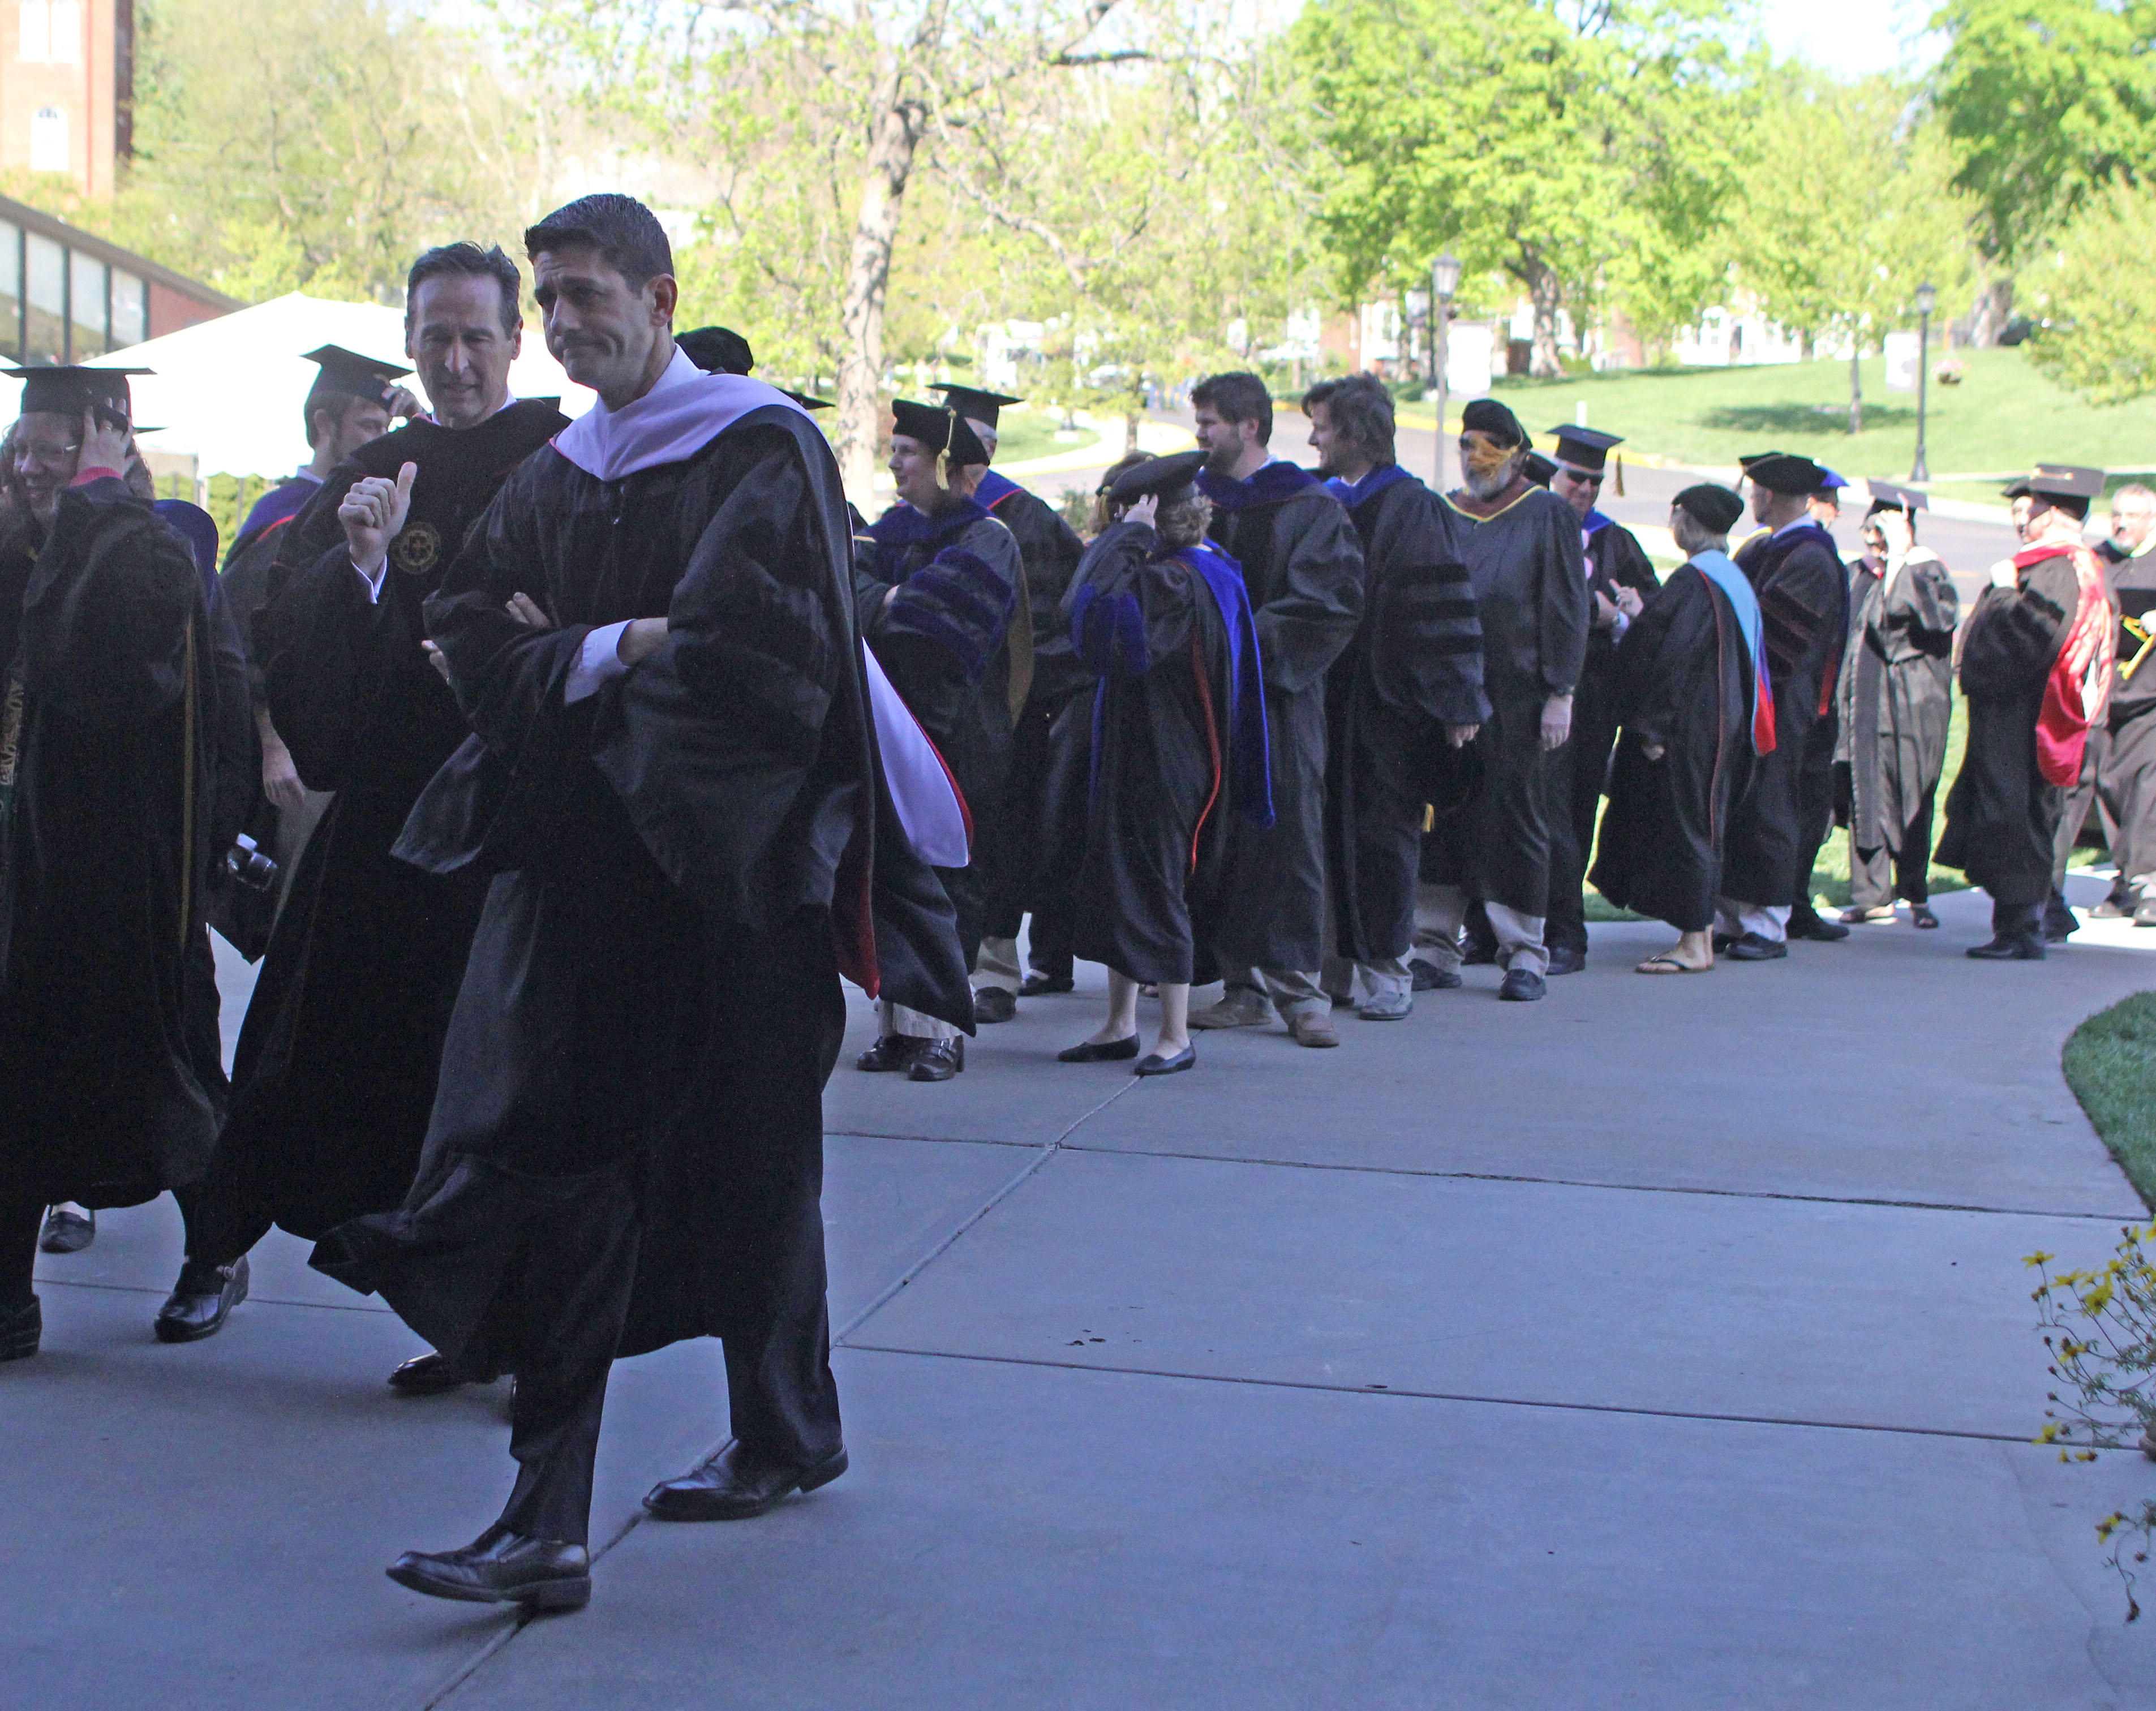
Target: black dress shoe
430	1375
1107	1051
202	1301
67	1232
890	1052
20	1329
2011	947
937	1060
736	1484
2060	922
994	1004
1041	986
1564	960
1758	947
1521	985
502	1567
1152	1064
1816	927
1429	978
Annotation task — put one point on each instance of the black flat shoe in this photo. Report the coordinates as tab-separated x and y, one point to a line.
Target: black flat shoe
1152	1064
893	1052
1042	985
994	1004
20	1329
1521	985
1722	942
736	1484
1920	916
1108	1052
937	1060
2011	947
1817	929
2060	922
430	1375
1429	978
67	1232
1758	947
202	1301
1564	960
501	1567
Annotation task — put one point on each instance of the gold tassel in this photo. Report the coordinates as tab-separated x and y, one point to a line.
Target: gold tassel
1620	456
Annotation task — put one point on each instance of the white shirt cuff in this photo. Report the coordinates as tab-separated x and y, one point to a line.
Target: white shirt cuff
373	582
598	662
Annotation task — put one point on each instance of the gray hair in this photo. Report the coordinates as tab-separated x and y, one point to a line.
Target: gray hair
1694	537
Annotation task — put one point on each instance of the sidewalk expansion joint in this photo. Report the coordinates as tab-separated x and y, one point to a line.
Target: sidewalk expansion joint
253	1300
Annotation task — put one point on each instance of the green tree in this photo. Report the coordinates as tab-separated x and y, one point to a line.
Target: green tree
2099	295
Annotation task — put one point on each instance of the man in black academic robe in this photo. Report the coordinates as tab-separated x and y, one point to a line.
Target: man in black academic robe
1896	694
1803	590
1409	688
935	599
1031	844
1303	569
675	786
1493	815
1685	690
2036	670
108	721
1619	578
2126	766
336	1064
1816	776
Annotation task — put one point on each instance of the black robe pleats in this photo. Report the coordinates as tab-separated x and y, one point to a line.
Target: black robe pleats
1896	693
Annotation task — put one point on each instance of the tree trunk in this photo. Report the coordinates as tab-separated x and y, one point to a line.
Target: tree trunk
891	147
1994	308
1855	389
1548	296
1131	428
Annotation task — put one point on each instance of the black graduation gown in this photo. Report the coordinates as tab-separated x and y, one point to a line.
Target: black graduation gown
1682	679
944	643
1804	593
1303	568
1148	884
1502	790
103	853
1415	668
336	1068
2002	813
1896	693
682	863
2128	766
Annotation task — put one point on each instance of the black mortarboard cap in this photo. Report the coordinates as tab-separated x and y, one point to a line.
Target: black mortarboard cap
807	402
1584	447
352	375
1165	476
1887	497
1786	473
717	350
974	404
1538	468
1488	416
939	429
1712	506
2059	481
69	392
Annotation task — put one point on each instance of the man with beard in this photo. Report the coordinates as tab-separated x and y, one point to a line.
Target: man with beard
1619	578
936	604
1896	693
108	723
1410	687
1692	696
1492	832
336	1064
675	785
1304	571
2036	671
2126	778
1794	568
1031	844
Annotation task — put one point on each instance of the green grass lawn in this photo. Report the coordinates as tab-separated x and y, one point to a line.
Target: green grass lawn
2005	416
2110	1063
1022	435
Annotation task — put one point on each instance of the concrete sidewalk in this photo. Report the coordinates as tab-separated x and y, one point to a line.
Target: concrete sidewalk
1666	1344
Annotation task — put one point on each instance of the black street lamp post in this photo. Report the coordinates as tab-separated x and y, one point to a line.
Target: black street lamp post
1927	300
1444	281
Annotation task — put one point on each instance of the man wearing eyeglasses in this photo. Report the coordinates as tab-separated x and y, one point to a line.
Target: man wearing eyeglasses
1619	577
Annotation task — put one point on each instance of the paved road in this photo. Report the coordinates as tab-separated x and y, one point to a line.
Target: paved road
1661	1345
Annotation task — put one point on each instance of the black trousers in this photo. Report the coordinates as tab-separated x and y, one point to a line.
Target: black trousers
20	1221
1814	824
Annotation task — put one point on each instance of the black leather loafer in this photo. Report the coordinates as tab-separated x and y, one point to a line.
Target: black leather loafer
430	1375
1152	1064
994	1004
1429	978
67	1232
501	1567
1564	960
937	1060
1521	985
1042	985
202	1301
20	1329
736	1484
1817	927
893	1052
1107	1051
2011	947
1758	947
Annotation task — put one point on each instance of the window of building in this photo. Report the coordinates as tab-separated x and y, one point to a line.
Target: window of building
44	333
48	141
86	296
67	32
130	309
34	34
11	291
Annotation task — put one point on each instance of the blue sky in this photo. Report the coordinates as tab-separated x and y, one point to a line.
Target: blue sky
1852	36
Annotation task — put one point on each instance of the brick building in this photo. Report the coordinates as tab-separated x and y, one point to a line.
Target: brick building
67	88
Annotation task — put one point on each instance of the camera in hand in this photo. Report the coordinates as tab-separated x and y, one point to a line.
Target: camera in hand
246	862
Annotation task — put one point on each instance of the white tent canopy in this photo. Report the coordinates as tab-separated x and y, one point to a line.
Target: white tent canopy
229	393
